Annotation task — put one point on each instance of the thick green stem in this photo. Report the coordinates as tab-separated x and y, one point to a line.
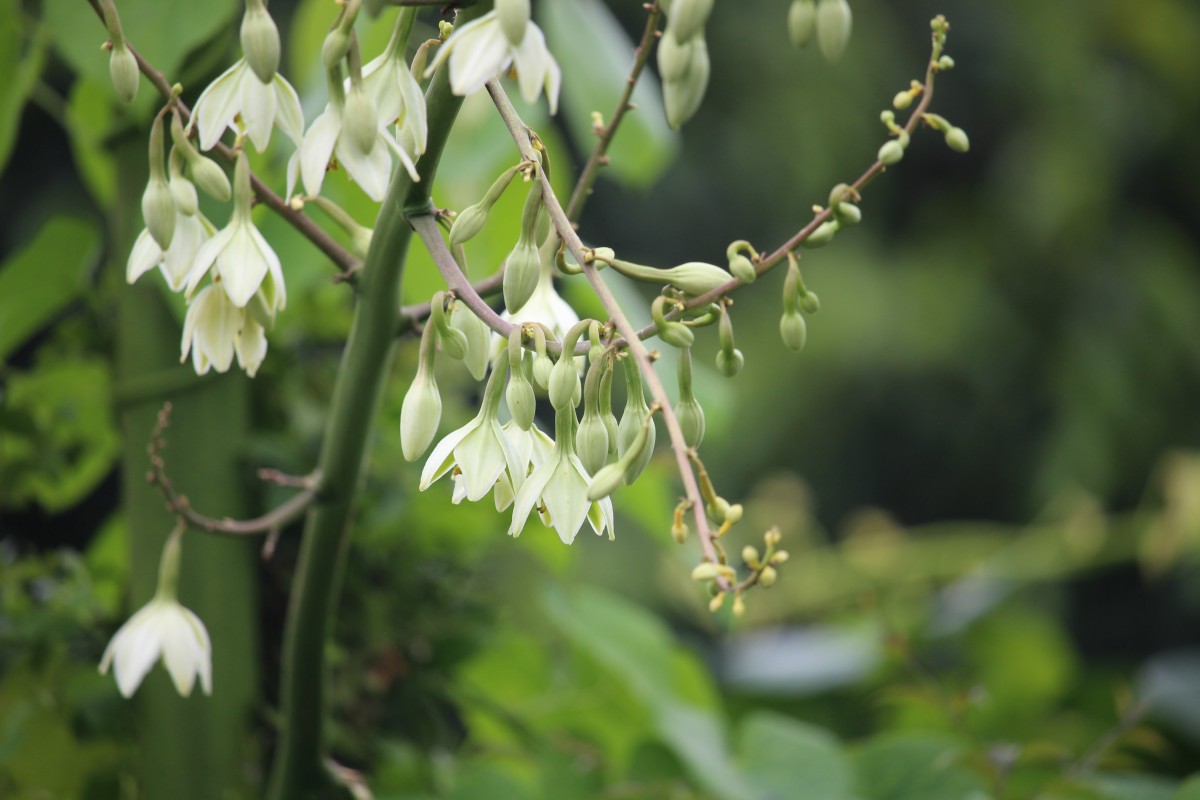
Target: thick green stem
298	771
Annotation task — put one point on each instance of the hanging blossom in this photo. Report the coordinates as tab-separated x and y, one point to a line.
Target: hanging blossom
231	314
479	453
175	263
395	93
560	487
162	628
486	48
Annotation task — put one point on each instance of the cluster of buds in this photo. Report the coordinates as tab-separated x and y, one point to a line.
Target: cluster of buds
683	62
829	20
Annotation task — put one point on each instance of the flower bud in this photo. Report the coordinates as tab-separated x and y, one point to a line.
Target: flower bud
891	152
519	396
810	303
687	18
743	268
739	605
674	59
822	236
847	213
705	571
733	513
793	330
335	47
182	190
768	577
695	277
730	362
833	28
514	19
478	338
158	209
542	367
677	334
718	600
208	176
563	383
468	224
359	119
957	139
750	556
591	442
691	421
779	557
606	481
772	537
633	423
682	98
802	17
421	411
521	274
260	41
123	69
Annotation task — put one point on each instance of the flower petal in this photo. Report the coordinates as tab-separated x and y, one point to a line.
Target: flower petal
317	147
529	495
481	457
145	256
371	171
442	458
530	59
206	256
289	116
242	264
218	105
258	110
481	53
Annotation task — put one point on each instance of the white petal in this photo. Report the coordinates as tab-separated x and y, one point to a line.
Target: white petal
317	148
482	53
219	104
206	256
480	456
565	497
258	110
371	171
529	495
293	173
289	116
216	326
251	346
242	264
135	648
395	147
145	256
442	458
182	652
191	232
553	82
530	58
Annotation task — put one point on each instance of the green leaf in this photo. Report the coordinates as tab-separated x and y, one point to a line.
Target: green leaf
1190	790
21	67
594	77
44	277
907	766
91	115
785	758
1134	787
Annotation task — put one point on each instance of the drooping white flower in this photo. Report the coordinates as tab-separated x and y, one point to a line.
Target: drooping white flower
389	82
215	330
479	453
239	257
560	486
162	628
239	100
480	51
191	232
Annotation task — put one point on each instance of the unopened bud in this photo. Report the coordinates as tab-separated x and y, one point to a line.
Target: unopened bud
468	224
739	605
750	556
183	190
682	98
591	442
514	19
772	537
419	416
691	421
802	19
521	274
123	69
478	337
793	330
810	303
705	571
768	577
335	47
542	368
833	28
564	383
957	139
687	18
718	600
260	42
521	402
779	557
891	152
742	268
606	481
730	362
674	59
823	235
158	209
209	177
902	100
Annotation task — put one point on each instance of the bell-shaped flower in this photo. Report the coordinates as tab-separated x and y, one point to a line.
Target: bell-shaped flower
479	453
398	99
162	628
480	51
560	486
333	134
215	330
191	232
239	100
238	256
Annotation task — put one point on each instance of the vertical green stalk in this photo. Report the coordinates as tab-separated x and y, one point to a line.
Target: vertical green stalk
297	771
193	748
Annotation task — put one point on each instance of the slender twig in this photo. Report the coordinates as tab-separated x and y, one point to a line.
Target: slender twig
340	256
558	218
178	504
599	156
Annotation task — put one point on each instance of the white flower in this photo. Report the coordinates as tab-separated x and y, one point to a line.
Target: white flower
480	51
478	452
238	92
191	232
239	256
397	97
160	628
327	137
560	486
214	330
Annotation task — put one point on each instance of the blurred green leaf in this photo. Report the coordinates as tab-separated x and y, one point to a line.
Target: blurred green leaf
785	758
1190	790
91	115
21	65
914	766
45	276
594	77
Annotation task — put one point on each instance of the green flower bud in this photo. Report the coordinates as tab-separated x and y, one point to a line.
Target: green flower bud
687	18
606	481
733	513
743	268
674	59
123	69
677	334
260	41
779	557
359	119
833	28
902	100
822	236
542	367
846	213
802	18
519	396
682	98
514	19
335	47
691	421
810	303
891	152
478	338
750	556
606	411
730	362
182	190
768	577
633	423
521	274
468	224
957	139
454	341
158	202
705	572
208	176
793	330
542	232
421	411
563	383
591	442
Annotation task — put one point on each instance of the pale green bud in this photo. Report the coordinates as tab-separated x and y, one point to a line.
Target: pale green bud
468	224
730	362
833	28
793	330
542	231
810	303
606	481
519	396
454	341
564	383
802	18
632	424
847	214
687	18
674	59
182	190
734	513
260	42
421	411
957	139
359	119
743	268
750	556
691	421
542	367
514	19
521	274
772	537
707	571
158	209
682	98
606	412
677	334
822	236
335	47
591	442
208	176
779	557
478	338
902	100
768	577
891	152
123	69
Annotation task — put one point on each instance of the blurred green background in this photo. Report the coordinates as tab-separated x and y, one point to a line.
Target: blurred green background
985	464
